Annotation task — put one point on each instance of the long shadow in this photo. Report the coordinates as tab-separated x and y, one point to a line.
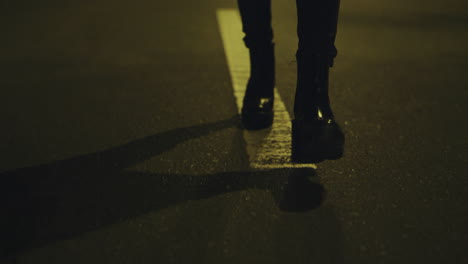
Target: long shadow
62	199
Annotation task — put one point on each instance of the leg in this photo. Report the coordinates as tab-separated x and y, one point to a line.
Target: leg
316	30
256	22
257	109
315	136
317	27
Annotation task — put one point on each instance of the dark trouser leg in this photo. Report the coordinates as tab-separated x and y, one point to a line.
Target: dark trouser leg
256	22
257	109
317	26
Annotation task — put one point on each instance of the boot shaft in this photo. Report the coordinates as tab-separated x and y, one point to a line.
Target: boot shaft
311	98
262	66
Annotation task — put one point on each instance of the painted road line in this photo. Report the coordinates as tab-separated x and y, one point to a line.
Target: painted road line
267	148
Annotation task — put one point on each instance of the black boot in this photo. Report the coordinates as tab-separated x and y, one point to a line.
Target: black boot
257	108
315	134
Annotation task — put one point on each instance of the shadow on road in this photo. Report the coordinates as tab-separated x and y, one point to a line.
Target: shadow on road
63	199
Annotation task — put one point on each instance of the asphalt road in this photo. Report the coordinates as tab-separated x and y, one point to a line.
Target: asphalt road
119	140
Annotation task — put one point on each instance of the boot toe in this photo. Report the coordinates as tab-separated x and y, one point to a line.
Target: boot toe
316	141
257	114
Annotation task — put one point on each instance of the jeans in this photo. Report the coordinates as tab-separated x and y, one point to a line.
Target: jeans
316	27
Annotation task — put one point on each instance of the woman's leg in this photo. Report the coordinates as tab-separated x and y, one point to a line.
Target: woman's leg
315	136
316	30
257	109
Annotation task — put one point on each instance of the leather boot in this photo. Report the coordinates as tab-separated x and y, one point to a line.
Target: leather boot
315	134
257	108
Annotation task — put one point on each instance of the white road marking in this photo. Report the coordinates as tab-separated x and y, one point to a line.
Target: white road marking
267	148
